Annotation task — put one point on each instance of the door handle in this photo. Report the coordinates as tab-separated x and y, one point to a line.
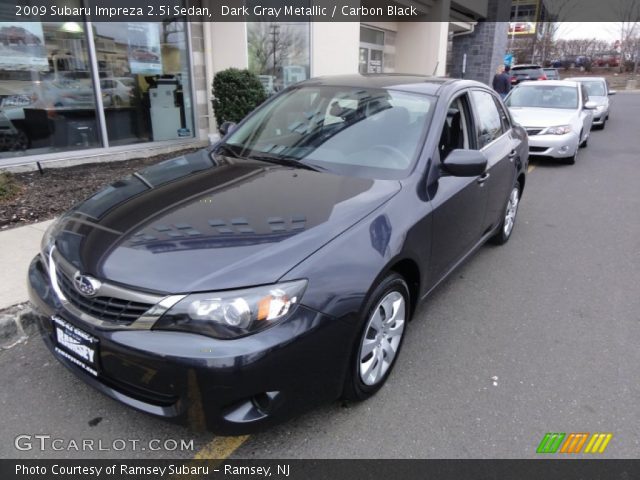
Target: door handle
483	178
513	154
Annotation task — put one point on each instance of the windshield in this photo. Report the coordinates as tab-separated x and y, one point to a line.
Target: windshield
595	89
543	96
373	133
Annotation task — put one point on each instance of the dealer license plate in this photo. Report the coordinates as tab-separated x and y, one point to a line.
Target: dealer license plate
76	345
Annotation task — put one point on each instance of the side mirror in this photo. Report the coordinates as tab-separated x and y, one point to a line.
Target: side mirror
226	127
590	105
465	163
612	92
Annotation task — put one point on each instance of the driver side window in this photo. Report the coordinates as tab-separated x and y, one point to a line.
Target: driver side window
455	132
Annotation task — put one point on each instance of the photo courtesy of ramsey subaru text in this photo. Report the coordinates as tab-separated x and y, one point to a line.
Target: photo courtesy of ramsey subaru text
278	269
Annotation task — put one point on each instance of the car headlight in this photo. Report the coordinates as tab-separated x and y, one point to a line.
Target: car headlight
231	314
559	130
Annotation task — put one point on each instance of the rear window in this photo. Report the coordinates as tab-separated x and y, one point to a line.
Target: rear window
541	95
527	72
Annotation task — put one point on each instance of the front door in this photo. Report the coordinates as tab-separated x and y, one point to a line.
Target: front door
459	203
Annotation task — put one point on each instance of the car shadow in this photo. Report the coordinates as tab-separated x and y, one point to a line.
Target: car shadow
550	162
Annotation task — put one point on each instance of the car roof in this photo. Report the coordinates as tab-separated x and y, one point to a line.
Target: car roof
590	79
415	83
551	83
526	66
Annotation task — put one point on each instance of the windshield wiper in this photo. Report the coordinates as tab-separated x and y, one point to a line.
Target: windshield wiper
286	161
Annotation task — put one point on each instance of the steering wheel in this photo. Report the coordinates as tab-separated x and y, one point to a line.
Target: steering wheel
395	156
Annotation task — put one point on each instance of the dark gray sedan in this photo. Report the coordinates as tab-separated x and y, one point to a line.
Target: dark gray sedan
241	284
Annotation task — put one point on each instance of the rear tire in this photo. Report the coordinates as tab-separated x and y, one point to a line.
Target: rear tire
503	234
376	349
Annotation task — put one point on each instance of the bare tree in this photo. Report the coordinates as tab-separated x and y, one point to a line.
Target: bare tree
628	11
273	44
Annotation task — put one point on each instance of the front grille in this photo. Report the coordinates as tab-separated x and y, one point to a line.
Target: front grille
533	131
537	149
110	309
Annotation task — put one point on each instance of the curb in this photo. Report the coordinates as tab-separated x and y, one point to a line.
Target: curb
17	324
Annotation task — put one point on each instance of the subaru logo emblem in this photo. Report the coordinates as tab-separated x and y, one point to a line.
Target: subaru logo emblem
86	285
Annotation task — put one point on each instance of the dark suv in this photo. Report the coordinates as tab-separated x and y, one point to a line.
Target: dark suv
521	73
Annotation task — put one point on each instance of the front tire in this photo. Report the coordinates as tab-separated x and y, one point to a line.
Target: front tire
585	142
503	234
378	344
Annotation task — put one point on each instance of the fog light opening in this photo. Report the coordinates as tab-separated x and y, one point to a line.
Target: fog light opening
265	401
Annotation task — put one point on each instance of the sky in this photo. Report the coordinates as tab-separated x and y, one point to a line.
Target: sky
600	30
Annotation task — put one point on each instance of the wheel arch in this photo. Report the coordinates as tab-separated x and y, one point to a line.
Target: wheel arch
521	181
410	271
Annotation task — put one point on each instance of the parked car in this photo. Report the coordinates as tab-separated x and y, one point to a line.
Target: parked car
607	59
47	94
573	61
521	73
557	115
599	92
551	73
243	283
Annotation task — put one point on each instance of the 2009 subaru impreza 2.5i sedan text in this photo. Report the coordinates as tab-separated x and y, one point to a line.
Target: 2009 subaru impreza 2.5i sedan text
243	283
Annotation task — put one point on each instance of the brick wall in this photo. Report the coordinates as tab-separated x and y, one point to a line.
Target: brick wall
485	47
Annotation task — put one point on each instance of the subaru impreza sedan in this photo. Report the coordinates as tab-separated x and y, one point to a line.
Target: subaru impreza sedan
557	115
241	284
599	92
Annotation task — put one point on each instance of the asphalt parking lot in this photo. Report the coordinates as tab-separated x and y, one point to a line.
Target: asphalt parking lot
538	336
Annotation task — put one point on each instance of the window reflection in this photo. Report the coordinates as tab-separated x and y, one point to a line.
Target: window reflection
279	53
47	102
144	80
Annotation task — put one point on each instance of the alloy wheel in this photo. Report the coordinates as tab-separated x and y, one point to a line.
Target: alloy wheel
382	337
512	211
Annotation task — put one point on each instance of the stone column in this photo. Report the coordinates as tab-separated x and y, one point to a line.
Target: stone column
485	47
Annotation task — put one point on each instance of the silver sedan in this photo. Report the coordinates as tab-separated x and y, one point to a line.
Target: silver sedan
599	92
557	115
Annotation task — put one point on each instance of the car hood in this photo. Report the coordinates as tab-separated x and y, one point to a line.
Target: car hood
195	223
542	117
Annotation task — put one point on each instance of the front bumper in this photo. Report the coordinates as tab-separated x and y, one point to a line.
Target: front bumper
599	117
557	146
226	386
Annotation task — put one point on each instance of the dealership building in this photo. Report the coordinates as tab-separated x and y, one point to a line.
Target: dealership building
98	91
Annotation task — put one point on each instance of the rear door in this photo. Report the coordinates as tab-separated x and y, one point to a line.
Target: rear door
496	140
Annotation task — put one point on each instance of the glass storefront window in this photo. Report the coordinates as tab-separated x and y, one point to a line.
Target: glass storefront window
144	79
279	53
47	100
